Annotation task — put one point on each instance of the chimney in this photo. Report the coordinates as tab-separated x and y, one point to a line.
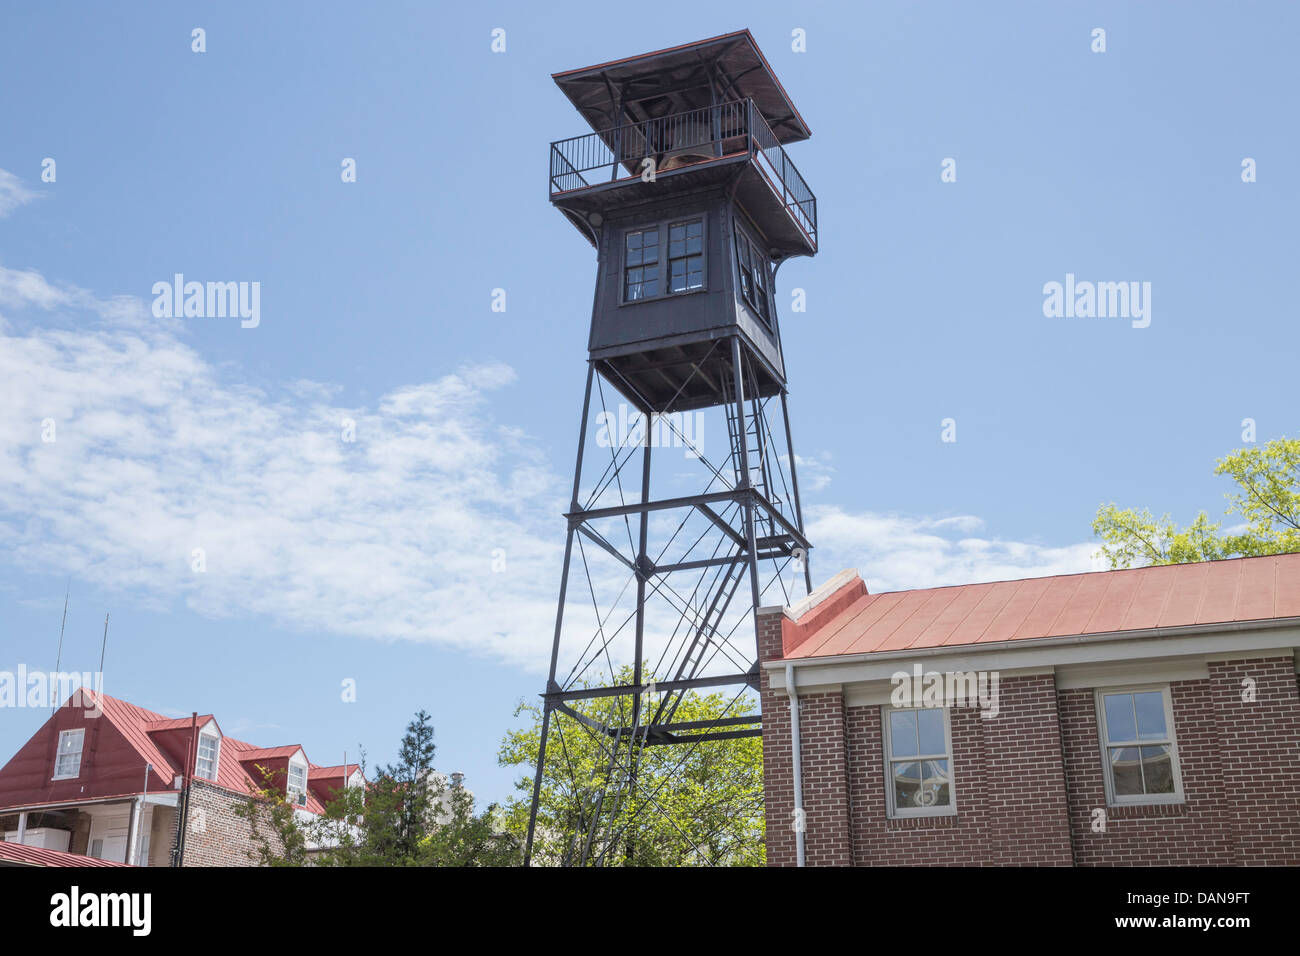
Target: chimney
457	780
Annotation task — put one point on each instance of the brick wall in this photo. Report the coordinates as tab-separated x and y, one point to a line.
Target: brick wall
1259	741
1007	781
1239	762
1240	767
824	756
215	835
778	772
1190	833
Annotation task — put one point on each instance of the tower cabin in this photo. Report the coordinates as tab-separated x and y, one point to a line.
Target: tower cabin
686	192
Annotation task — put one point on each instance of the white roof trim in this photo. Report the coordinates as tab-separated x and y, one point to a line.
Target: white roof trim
1222	641
796	611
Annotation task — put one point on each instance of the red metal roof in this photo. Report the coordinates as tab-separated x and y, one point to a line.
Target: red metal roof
268	753
848	620
338	770
179	723
39	856
115	761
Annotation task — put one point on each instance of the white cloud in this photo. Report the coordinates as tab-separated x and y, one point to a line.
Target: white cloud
389	537
13	193
156	454
815	472
897	552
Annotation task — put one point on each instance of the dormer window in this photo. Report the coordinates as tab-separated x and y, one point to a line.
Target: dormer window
297	785
67	761
209	753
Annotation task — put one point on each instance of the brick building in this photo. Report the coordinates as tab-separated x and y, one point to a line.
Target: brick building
1137	717
105	779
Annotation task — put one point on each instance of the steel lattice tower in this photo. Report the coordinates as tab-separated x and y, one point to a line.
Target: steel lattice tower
686	192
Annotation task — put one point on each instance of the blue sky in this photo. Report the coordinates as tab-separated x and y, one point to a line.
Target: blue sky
372	560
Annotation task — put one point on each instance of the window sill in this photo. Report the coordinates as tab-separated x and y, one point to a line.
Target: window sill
663	297
943	822
1143	811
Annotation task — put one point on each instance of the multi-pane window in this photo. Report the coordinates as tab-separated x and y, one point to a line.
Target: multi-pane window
206	765
641	265
297	783
1138	748
686	255
918	762
67	761
752	264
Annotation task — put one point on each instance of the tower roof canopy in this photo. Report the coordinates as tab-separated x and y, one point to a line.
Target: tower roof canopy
682	78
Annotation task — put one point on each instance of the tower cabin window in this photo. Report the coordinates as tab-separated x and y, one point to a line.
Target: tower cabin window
643	258
686	255
641	265
752	264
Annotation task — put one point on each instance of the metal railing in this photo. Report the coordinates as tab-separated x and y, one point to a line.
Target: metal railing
770	157
683	139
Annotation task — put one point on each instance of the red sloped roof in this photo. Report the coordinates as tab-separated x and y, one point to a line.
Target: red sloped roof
328	773
139	726
178	723
39	856
132	722
269	753
1069	605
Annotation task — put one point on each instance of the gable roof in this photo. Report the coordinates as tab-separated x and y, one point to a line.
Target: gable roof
178	723
155	739
270	753
847	620
339	771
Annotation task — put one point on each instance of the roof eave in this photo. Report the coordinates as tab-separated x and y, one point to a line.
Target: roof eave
1153	633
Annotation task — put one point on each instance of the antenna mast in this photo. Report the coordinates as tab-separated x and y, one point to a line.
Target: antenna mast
58	661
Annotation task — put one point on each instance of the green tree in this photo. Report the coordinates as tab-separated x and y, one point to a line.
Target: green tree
1267	498
277	839
406	816
692	805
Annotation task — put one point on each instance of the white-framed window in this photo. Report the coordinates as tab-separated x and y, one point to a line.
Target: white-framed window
67	760
205	765
918	762
297	786
1139	754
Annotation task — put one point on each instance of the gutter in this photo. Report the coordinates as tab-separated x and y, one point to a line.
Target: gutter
797	761
60	805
